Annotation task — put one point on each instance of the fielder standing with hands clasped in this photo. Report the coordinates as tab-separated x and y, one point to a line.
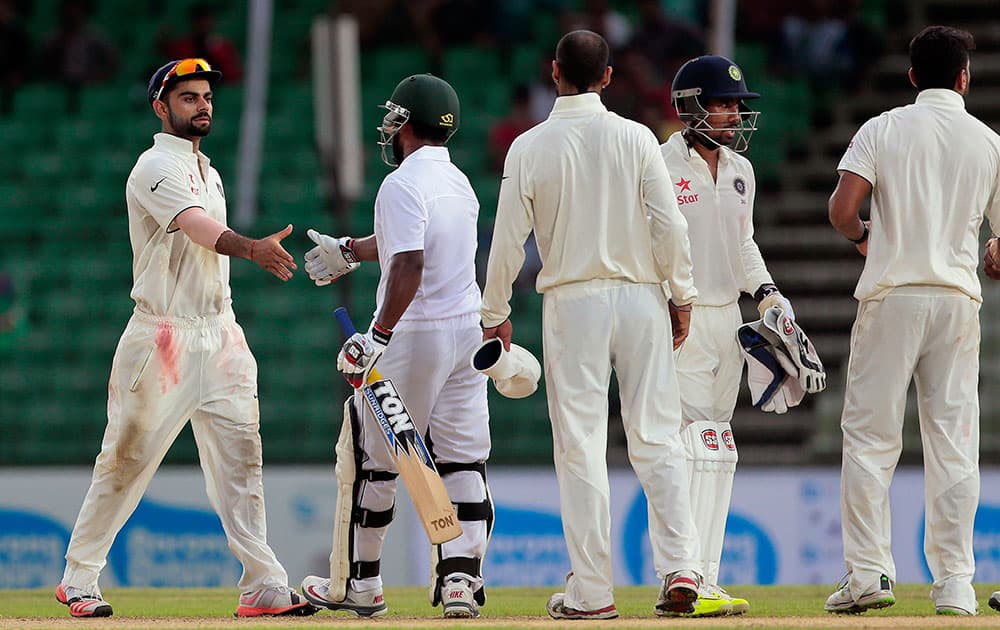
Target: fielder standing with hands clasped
932	170
595	190
425	328
183	356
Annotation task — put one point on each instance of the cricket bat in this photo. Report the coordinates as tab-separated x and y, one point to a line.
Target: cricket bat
413	460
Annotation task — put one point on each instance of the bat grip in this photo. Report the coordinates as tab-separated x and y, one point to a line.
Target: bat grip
346	325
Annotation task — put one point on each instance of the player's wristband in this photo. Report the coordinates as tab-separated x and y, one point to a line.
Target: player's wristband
381	334
764	290
862	238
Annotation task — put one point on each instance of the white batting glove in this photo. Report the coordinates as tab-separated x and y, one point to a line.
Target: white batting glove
775	299
330	259
360	352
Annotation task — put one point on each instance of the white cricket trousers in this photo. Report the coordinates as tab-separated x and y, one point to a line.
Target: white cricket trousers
710	364
588	329
166	371
429	363
932	335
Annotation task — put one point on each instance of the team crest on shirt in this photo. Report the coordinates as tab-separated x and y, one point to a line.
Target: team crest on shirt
685	186
194	185
740	185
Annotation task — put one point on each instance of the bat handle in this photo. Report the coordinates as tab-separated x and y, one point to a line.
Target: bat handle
346	325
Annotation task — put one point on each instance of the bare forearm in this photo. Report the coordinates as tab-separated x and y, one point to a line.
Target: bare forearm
232	244
366	248
405	272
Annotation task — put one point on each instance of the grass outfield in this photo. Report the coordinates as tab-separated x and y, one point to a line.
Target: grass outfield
771	606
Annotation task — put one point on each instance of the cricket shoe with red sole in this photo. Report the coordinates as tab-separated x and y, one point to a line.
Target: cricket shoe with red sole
559	610
678	594
361	603
83	602
273	602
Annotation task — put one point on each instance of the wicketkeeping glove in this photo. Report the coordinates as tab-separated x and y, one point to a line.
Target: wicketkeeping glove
775	299
772	389
330	259
360	352
799	357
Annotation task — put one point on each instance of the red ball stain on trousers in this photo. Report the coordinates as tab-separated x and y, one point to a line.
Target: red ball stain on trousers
166	350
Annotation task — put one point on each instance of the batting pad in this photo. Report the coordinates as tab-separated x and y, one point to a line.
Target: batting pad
340	555
712	457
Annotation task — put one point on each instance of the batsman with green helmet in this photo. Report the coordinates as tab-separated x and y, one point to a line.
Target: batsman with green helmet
427	306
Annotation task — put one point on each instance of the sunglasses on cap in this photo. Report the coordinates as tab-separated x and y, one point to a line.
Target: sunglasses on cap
183	68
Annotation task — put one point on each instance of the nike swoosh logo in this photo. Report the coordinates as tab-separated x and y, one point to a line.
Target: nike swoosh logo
156	185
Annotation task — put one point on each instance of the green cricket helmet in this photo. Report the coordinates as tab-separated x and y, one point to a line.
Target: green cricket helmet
422	98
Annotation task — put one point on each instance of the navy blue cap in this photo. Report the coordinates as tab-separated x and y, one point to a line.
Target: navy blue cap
714	76
203	71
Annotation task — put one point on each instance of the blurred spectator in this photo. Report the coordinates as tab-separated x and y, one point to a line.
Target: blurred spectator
453	23
205	43
637	91
542	90
75	53
760	20
13	319
15	54
598	16
665	42
504	131
827	43
380	22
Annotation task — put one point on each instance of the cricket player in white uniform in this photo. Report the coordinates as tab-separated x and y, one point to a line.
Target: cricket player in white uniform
614	249
183	356
932	170
428	305
715	189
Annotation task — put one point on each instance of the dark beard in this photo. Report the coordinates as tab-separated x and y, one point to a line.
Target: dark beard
187	128
397	150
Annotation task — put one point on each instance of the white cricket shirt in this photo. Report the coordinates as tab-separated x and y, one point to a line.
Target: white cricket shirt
935	170
172	275
719	215
428	204
594	188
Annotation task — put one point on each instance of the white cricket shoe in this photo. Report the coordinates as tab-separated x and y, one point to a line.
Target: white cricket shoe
878	596
361	603
457	599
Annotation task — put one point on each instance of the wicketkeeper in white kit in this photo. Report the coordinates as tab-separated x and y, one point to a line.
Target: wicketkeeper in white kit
715	189
424	331
183	356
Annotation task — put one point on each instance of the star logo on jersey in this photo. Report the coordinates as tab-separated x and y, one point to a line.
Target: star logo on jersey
685	186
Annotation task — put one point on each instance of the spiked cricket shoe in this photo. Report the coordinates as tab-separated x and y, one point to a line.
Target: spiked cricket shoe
361	603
